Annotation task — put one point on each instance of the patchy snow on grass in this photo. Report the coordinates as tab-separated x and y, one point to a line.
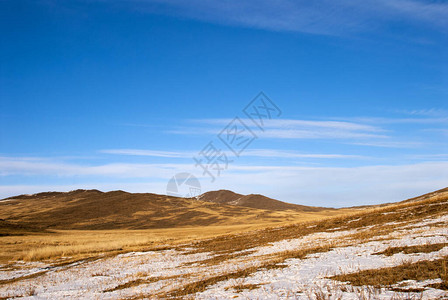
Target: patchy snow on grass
304	278
150	273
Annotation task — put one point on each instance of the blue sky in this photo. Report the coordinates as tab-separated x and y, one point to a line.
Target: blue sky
122	94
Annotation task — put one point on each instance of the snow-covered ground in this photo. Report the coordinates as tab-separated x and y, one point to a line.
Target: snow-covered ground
149	274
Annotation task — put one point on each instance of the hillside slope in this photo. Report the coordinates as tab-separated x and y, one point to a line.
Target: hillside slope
255	201
93	209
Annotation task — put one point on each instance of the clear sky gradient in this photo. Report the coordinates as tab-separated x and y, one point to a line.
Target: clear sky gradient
122	94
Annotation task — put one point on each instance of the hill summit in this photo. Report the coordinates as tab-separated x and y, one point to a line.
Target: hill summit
254	201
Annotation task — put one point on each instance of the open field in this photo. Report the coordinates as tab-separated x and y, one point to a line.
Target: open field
397	251
86	223
78	244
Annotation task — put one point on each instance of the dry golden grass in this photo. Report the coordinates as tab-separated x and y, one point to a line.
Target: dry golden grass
241	287
122	222
221	238
138	282
76	244
382	218
345	220
226	239
93	209
203	284
215	260
37	274
421	270
79	244
272	261
412	249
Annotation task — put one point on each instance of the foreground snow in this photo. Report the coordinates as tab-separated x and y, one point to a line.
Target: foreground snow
151	273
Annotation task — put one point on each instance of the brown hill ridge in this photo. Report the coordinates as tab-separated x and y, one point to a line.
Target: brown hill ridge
93	209
255	201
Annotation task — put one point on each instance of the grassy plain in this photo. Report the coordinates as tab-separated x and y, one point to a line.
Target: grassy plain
79	244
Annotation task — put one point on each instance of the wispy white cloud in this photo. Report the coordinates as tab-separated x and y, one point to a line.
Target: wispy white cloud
440	156
431	119
286	133
316	17
438	130
389	144
248	152
326	186
296	129
431	12
295	154
295	123
431	112
338	186
383	132
154	153
36	166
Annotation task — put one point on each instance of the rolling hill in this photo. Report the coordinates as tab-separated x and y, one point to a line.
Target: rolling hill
93	209
255	201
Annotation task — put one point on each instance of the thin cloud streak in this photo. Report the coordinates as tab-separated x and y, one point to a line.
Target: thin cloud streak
17	166
294	154
343	185
154	153
292	123
442	156
376	120
431	112
288	133
389	144
316	17
247	152
318	134
295	129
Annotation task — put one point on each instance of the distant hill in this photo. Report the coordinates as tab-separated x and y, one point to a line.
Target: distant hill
438	193
255	201
93	209
432	195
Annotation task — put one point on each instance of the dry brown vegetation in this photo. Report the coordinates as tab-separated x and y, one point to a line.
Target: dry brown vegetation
274	261
225	241
8	229
138	282
80	244
383	219
203	284
412	249
68	243
421	270
240	287
220	258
